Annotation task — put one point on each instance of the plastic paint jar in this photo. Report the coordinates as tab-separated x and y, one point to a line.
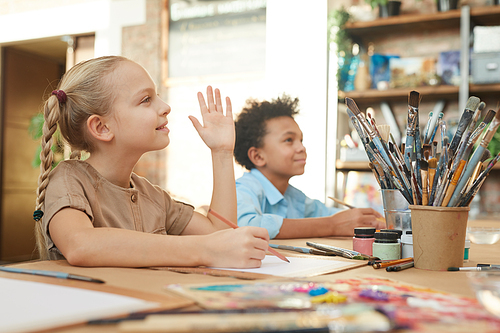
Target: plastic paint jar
363	240
399	232
407	245
386	246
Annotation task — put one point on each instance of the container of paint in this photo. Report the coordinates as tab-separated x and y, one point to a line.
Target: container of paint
363	240
438	236
396	211
386	246
407	245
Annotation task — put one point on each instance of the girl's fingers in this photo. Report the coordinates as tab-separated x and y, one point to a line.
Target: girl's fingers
210	99
229	108
201	101
218	101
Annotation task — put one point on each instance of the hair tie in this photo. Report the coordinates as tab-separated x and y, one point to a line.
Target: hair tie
37	215
61	96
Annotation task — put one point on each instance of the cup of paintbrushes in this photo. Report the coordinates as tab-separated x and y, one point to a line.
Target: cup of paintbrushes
438	236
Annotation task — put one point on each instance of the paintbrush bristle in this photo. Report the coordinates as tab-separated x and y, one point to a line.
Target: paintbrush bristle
486	155
352	105
414	99
433	163
489	116
384	131
472	103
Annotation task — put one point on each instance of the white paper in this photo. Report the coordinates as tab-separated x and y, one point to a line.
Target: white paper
298	267
28	306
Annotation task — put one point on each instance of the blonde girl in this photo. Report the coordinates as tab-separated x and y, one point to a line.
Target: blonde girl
98	212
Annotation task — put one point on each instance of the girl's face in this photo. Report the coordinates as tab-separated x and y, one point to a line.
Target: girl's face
139	115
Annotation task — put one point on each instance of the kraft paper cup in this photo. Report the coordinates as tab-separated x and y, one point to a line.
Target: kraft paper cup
396	211
438	236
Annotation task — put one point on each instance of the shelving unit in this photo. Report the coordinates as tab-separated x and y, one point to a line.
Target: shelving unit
462	19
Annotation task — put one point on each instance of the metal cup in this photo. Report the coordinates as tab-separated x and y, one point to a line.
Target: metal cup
396	210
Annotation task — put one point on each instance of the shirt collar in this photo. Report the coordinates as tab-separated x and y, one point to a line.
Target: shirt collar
272	194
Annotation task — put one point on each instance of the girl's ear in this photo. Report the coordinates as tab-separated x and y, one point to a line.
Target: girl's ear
98	128
257	157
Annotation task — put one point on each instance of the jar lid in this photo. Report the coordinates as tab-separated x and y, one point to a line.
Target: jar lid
397	231
364	231
386	235
408	232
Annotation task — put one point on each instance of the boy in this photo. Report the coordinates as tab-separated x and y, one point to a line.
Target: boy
269	145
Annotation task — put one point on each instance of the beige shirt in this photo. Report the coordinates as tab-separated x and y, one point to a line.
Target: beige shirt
142	207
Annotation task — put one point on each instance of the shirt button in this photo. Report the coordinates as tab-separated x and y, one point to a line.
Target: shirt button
133	198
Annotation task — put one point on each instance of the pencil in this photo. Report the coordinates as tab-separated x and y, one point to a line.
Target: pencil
59	275
391	263
341	202
235	226
400	267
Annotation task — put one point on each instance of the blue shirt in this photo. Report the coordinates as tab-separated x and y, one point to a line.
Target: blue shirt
260	204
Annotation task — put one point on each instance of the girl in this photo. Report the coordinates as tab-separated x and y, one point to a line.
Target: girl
97	212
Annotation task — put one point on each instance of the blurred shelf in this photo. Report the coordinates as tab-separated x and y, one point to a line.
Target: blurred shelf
428	93
486	15
400	94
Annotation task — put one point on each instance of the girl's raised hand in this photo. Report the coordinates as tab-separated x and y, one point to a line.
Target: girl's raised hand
217	130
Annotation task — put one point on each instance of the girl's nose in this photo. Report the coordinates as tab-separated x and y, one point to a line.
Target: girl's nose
165	108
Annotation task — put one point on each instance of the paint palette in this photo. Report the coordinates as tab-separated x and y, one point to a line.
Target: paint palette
483	235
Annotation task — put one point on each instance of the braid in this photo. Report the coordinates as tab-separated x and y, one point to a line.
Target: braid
51	115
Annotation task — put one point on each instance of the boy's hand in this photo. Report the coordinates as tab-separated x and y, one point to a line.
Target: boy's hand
217	130
236	248
345	221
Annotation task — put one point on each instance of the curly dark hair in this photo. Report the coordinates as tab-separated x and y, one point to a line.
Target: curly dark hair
251	124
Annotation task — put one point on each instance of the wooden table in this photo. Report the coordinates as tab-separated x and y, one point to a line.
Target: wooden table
149	284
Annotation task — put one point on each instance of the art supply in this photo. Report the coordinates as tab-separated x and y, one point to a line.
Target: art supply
407	244
488	265
433	248
396	211
466	250
386	246
59	275
424	166
391	263
301	249
454	269
235	226
400	267
346	253
465	119
363	240
342	202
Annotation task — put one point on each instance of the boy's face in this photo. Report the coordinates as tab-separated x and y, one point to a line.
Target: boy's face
283	153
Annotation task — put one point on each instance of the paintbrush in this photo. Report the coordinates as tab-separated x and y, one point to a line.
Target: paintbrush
476	156
376	140
465	119
425	190
432	173
478	182
426	132
439	171
479	168
413	104
453	184
384	131
438	123
235	226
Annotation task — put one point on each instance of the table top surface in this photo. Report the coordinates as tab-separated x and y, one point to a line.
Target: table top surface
150	283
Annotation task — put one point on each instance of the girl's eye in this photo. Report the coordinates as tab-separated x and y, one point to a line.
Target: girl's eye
288	140
146	100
